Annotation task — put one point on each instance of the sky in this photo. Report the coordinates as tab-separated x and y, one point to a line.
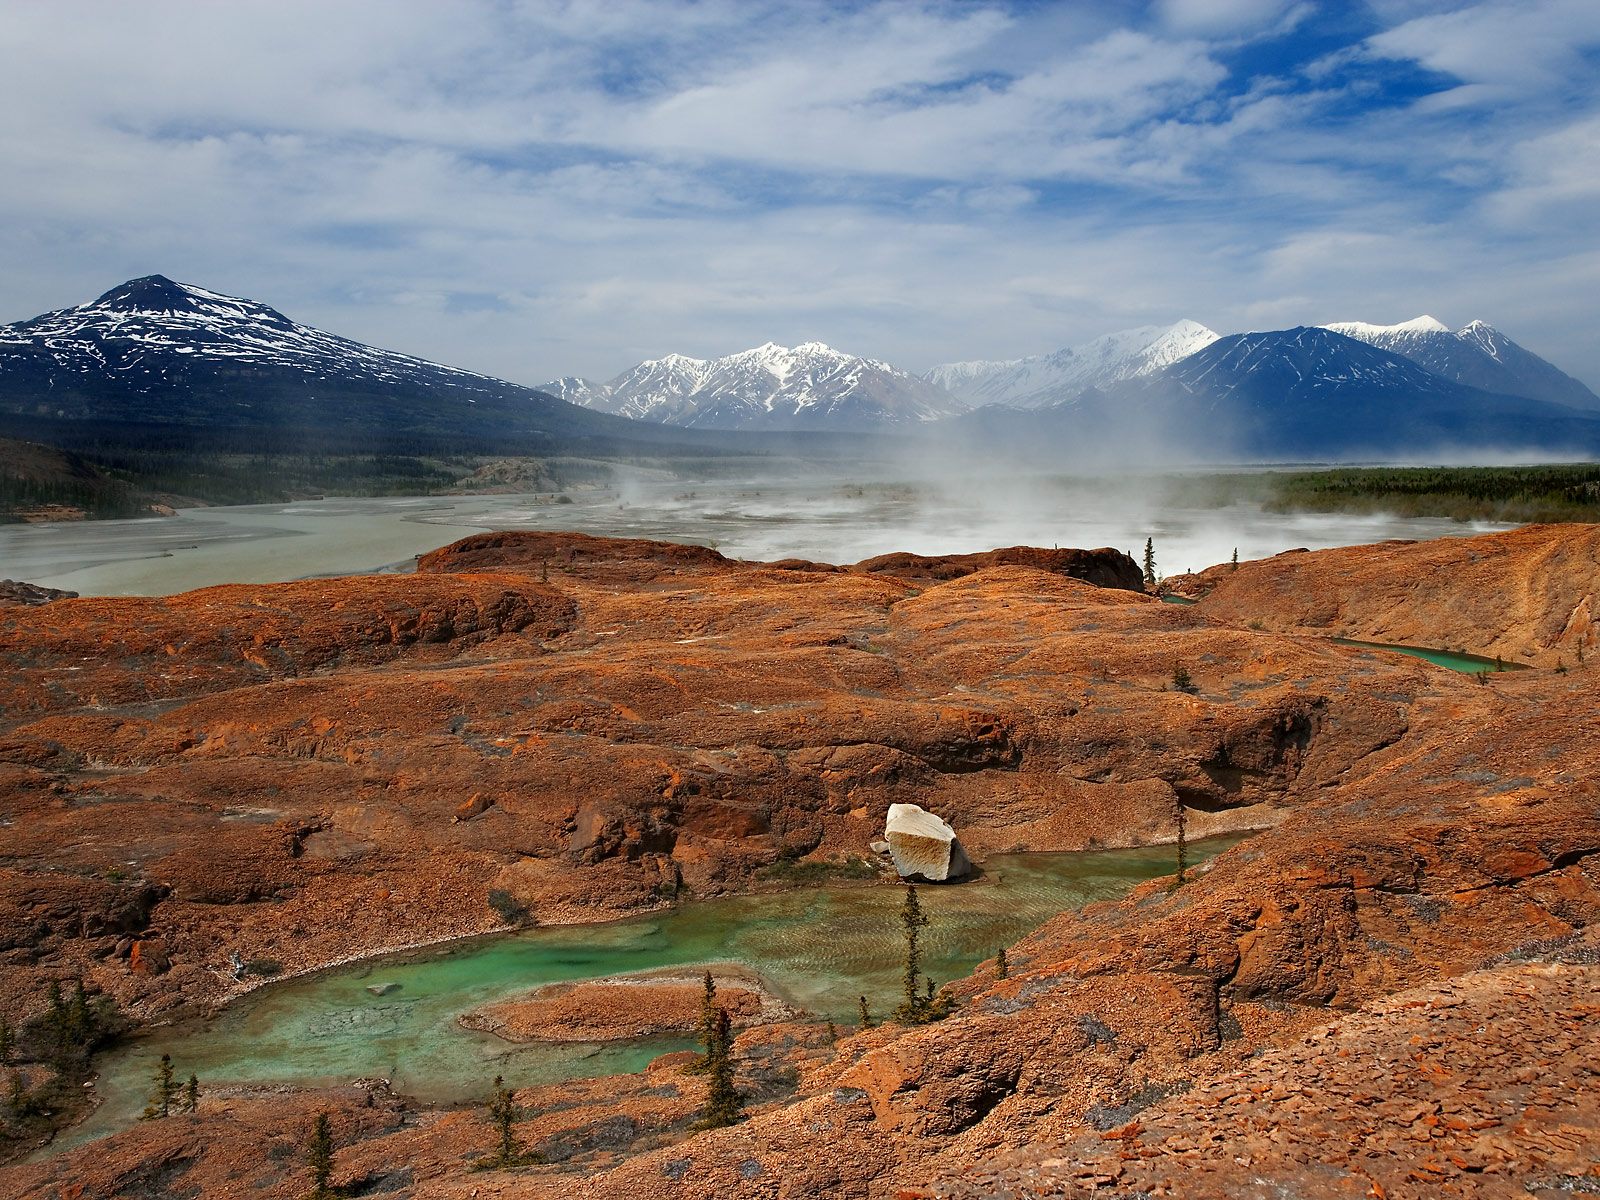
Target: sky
536	189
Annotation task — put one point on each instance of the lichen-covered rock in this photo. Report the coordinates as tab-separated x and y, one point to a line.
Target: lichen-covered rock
924	847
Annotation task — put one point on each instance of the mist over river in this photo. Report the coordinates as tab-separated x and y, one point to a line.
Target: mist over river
833	519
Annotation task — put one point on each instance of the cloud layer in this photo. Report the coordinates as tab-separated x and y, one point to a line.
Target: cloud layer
542	188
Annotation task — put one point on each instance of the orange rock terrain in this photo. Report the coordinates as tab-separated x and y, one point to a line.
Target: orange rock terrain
633	1006
1527	596
308	772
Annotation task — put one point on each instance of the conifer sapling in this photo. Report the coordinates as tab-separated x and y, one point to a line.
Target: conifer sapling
319	1157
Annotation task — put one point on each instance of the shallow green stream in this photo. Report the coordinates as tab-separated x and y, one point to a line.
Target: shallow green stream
819	947
1470	664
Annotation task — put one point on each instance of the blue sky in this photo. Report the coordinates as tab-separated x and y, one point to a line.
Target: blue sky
540	189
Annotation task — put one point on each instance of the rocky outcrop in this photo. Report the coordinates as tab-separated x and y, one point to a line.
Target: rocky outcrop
105	652
29	594
1104	568
536	552
1479	1090
650	1004
924	848
1531	595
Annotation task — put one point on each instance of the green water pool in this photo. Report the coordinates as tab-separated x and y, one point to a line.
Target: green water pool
1470	664
819	948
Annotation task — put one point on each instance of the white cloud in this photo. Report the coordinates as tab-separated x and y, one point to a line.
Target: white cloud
918	181
1503	49
1210	18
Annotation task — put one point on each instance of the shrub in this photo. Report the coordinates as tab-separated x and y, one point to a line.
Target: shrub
507	907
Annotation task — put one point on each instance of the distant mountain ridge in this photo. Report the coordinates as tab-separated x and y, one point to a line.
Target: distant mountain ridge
811	386
1478	355
1052	378
1303	394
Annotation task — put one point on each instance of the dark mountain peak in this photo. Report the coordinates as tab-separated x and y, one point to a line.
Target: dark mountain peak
154	295
149	293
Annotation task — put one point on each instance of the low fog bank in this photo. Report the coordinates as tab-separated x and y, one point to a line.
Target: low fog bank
832	512
932	499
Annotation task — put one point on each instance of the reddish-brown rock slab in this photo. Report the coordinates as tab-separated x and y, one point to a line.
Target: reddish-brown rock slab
629	1006
1527	596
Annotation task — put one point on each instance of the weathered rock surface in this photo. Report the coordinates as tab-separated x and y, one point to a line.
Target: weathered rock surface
924	847
630	1006
1104	567
1481	1086
654	724
1529	596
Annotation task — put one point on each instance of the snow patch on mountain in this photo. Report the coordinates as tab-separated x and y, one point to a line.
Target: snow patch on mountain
1050	379
809	386
1477	354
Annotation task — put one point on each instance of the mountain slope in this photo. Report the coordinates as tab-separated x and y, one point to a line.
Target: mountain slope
1295	394
152	352
811	386
1478	355
1052	378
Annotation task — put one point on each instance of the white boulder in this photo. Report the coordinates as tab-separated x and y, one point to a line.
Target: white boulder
923	846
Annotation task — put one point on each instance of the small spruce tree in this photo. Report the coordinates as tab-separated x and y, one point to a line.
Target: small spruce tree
503	1113
17	1097
55	1016
319	1157
723	1101
1002	969
166	1091
912	922
1150	563
1182	847
920	1006
833	1032
866	1014
80	1023
191	1095
7	1041
1233	563
1182	681
708	1026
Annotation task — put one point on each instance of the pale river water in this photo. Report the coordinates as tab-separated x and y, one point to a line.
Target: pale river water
830	520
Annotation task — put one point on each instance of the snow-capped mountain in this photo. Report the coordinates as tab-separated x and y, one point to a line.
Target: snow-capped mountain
811	386
155	352
1294	394
1478	355
1053	378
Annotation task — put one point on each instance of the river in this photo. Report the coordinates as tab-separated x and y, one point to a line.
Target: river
827	519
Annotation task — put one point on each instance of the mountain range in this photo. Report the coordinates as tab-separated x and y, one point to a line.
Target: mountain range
814	386
152	354
1303	394
811	386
